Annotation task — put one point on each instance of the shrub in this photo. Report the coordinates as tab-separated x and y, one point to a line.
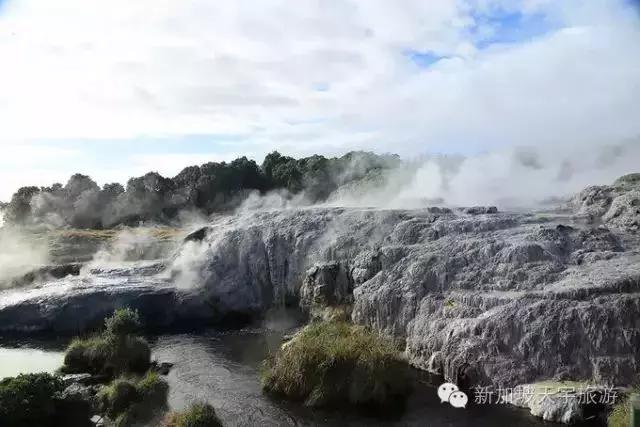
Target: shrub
106	356
197	415
123	322
114	352
336	363
87	355
620	416
130	400
118	396
27	400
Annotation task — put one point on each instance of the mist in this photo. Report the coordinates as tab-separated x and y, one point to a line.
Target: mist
20	253
513	178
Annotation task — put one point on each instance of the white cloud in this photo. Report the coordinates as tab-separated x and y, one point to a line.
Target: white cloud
164	68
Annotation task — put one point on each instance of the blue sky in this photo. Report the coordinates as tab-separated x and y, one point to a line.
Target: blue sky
110	90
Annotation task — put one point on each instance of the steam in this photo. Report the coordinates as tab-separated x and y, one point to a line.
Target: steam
20	253
517	178
273	200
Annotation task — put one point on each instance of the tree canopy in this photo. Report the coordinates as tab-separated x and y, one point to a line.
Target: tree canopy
213	186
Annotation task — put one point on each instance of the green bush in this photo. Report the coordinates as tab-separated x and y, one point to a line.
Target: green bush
118	396
116	351
87	355
336	363
107	356
130	400
197	415
123	322
27	400
620	416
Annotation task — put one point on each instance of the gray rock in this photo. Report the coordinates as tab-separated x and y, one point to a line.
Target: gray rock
97	420
617	206
325	285
162	368
74	405
480	210
82	379
74	305
43	274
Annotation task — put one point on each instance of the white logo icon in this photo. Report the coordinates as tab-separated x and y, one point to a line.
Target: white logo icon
445	390
449	392
458	399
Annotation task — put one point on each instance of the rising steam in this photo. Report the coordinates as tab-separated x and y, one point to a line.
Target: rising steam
20	253
523	177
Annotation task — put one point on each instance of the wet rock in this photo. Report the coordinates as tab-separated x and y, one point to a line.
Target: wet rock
98	421
74	405
74	306
43	274
198	235
82	379
163	368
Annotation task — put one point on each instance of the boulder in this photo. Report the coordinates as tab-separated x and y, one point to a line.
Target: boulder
74	406
325	285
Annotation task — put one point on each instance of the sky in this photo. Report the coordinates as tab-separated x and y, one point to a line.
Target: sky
118	88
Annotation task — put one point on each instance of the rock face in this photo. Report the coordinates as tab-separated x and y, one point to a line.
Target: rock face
617	205
479	296
325	285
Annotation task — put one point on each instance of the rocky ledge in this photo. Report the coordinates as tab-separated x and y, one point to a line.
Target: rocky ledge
478	296
79	303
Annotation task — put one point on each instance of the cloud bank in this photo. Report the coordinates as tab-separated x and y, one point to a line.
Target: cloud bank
411	77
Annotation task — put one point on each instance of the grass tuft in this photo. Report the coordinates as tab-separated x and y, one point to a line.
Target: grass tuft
116	351
336	363
131	400
197	415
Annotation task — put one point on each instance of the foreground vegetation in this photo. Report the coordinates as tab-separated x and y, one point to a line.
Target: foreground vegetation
620	416
129	401
28	400
336	363
116	351
131	394
197	415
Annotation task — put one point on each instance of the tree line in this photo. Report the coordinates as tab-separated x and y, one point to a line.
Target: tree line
211	187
